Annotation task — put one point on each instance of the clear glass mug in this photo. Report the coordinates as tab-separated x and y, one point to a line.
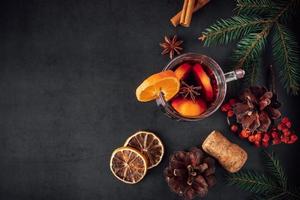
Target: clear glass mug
221	78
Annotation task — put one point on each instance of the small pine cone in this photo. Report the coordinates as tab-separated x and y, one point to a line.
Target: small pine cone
256	108
190	174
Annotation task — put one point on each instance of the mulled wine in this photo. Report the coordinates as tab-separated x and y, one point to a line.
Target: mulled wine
198	89
203	87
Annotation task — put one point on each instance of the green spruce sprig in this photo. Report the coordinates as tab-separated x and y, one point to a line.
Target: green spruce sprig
270	186
255	6
256	20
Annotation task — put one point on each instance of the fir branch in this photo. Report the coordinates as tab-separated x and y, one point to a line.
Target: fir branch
255	7
228	30
265	187
252	70
273	166
249	180
250	48
286	52
294	193
287	9
247	27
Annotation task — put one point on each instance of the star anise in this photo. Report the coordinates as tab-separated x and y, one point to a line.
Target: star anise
189	90
171	46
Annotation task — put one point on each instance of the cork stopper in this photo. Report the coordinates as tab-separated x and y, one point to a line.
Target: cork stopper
231	156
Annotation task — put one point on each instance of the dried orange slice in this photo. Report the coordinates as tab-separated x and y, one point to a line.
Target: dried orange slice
128	165
165	82
149	145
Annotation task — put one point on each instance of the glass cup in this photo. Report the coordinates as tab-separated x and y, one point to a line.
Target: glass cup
221	79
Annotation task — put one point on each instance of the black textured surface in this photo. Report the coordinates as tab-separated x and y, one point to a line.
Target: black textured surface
68	74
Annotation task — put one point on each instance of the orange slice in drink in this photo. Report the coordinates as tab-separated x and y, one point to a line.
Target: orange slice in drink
204	80
149	145
128	165
165	82
188	107
183	71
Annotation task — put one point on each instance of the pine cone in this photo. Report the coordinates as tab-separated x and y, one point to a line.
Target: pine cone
256	109
190	174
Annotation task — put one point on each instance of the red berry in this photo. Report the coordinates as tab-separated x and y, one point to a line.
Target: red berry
288	124
234	128
284	139
293	138
230	113
232	101
223	109
280	126
244	133
226	107
251	138
286	132
257	136
266	138
285	120
276	141
265	144
275	135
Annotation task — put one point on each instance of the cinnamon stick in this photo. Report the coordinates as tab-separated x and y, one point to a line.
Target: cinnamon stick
187	13
183	10
175	20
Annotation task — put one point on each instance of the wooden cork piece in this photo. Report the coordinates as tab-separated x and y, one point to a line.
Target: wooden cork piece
231	156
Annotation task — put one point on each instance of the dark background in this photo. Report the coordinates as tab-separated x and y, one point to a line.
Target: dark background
68	74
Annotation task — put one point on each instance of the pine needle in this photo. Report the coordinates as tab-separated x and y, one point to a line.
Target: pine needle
255	7
287	9
252	27
252	69
274	187
286	54
249	180
273	166
249	48
226	31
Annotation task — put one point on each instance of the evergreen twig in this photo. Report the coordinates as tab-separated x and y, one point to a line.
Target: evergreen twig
256	21
263	186
273	166
253	70
255	6
285	51
289	8
250	48
249	180
226	31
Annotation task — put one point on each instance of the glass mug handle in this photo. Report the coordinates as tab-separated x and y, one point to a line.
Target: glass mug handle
234	75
